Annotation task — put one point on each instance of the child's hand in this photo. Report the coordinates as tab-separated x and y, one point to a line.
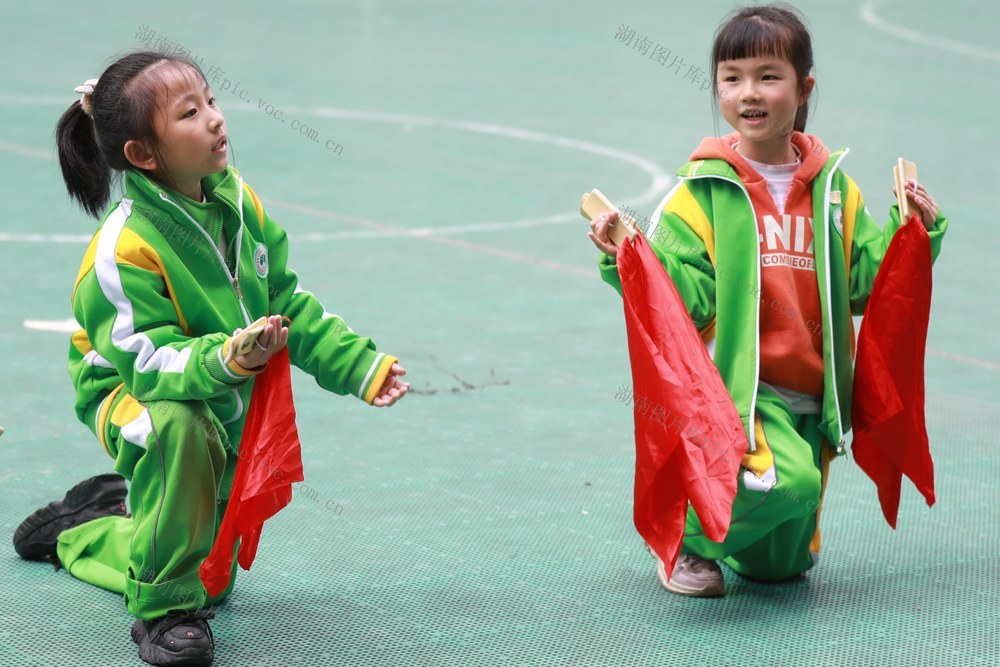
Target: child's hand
271	340
392	389
920	201
599	233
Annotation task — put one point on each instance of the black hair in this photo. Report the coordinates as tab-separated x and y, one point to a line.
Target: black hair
767	30
124	103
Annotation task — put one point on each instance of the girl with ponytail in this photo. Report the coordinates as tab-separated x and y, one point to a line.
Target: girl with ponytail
180	264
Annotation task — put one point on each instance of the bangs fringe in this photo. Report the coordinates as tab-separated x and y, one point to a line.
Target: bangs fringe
754	38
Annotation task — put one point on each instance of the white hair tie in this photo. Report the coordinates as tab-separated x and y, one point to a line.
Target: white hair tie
86	90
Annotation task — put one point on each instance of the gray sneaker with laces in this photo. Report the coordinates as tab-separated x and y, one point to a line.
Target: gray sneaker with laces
693	576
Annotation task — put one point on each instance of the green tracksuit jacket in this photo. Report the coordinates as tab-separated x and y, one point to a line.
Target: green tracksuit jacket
710	223
158	300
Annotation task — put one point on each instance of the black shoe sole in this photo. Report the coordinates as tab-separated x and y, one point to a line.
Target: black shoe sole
103	495
155	655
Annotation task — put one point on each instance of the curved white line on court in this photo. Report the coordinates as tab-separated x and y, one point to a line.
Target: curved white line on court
659	179
922	38
394	230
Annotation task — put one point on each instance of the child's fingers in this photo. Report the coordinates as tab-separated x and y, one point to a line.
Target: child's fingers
913	186
919	193
928	212
925	198
599	225
602	225
389	395
924	202
607	248
280	337
396	369
921	202
267	337
396	395
387	386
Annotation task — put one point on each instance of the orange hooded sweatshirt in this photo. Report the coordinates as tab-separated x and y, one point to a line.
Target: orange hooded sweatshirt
791	354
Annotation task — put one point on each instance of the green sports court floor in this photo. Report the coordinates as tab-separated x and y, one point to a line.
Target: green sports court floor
431	200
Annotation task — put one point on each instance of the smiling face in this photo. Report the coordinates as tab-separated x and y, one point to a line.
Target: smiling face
191	131
759	98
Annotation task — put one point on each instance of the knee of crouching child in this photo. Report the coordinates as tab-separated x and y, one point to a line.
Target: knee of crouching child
192	416
801	491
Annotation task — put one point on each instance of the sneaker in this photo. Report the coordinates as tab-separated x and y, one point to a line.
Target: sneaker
693	576
104	495
179	638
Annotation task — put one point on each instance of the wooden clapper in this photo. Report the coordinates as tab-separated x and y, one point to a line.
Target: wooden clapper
594	204
903	171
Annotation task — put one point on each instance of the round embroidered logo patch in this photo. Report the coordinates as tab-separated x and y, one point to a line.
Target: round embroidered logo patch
260	260
838	219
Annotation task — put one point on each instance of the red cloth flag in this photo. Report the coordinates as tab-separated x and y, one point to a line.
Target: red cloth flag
887	406
270	461
689	439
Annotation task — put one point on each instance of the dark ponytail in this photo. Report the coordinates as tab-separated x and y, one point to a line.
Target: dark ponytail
124	104
86	173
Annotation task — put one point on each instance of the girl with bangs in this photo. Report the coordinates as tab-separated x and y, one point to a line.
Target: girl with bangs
772	249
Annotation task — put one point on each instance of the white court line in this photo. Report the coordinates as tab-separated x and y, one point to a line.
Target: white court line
382	227
26	151
44	238
62	326
660	181
972	361
922	38
70	326
388	233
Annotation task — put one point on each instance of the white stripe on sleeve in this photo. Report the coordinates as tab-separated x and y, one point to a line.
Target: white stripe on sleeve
137	430
123	334
94	359
364	383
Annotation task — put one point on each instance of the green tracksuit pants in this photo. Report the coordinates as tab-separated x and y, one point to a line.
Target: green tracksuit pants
774	533
174	455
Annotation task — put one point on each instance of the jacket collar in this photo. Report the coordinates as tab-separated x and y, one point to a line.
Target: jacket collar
716	157
224	188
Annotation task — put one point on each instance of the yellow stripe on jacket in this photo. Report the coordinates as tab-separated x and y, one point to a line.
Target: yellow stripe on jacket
686	206
133	250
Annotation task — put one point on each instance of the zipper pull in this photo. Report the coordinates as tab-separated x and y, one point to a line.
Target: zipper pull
236	286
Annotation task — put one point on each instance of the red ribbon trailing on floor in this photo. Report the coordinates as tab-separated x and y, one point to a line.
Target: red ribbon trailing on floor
887	410
270	461
689	439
